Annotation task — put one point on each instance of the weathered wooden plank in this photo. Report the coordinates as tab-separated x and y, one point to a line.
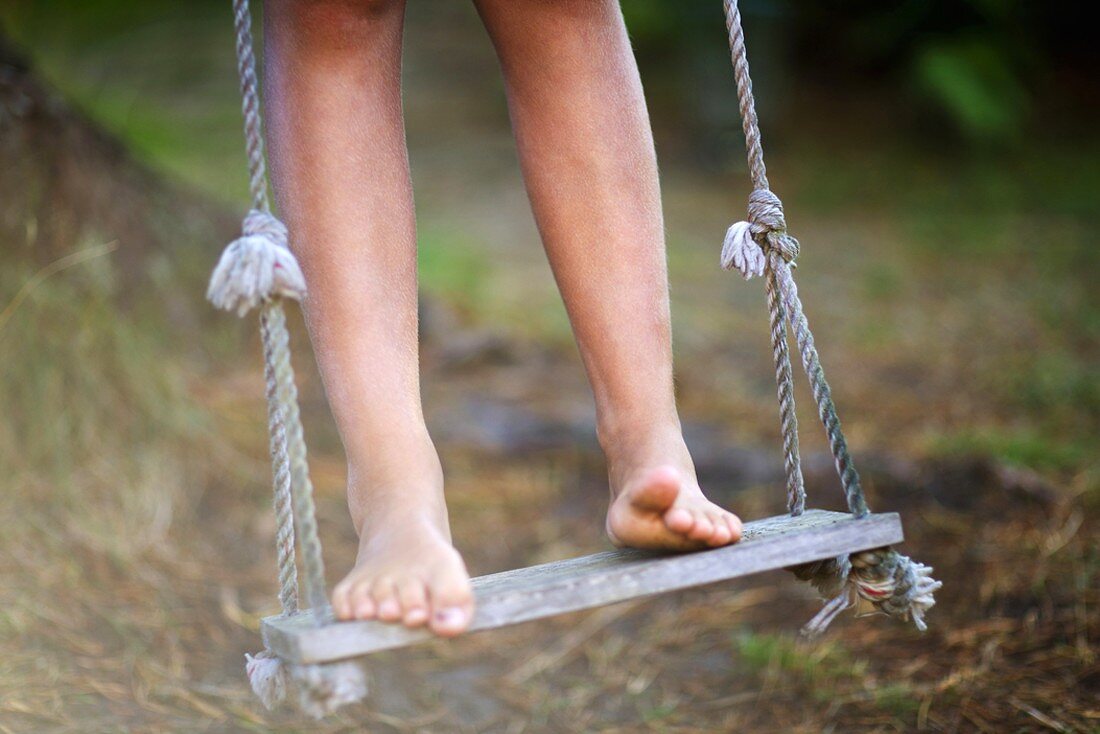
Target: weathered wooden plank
554	588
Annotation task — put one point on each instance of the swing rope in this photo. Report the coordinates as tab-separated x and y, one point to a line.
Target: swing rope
258	269
761	246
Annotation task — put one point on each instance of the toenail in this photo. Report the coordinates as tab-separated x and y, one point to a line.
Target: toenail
450	615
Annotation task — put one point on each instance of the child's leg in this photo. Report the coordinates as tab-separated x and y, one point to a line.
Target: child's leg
342	178
591	172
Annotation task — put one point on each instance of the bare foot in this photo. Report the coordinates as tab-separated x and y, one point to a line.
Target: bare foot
657	504
407	570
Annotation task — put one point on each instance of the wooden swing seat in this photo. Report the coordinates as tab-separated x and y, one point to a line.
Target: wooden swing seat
526	594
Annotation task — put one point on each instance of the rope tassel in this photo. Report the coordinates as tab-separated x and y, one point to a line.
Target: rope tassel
895	584
748	242
268	677
741	253
256	267
322	689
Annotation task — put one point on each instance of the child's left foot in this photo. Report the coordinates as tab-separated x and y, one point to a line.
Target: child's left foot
656	502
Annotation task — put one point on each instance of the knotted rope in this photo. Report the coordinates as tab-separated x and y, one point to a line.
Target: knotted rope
761	246
895	584
258	269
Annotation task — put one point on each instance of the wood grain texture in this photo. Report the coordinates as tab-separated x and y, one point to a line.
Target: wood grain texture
571	585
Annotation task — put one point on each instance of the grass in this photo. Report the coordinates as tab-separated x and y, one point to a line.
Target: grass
779	660
898	699
105	458
96	405
1026	448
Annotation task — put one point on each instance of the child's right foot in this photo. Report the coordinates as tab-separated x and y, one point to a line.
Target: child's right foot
407	570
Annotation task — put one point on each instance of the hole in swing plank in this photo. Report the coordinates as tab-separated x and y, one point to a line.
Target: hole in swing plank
575	584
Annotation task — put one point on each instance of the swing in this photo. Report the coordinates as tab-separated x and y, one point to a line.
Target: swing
846	556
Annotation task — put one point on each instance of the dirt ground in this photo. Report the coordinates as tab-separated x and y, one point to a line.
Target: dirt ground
153	639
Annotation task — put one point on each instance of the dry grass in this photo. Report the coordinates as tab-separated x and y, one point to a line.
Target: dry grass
137	547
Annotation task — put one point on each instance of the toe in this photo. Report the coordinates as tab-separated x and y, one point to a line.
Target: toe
384	593
341	602
657	491
702	529
734	524
721	534
679	520
360	601
450	621
414	602
452	607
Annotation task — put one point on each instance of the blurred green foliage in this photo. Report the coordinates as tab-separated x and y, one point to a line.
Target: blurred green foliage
975	86
1025	447
159	74
975	69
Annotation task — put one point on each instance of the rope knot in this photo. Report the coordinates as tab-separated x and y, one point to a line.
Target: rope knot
264	224
256	267
895	584
748	243
322	689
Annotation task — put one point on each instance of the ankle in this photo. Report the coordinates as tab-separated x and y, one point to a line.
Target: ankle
383	445
389	522
639	434
403	509
395	478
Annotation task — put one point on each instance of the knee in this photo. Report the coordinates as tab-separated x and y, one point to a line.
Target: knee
554	16
337	17
376	8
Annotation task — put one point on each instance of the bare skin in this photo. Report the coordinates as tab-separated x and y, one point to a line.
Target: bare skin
341	176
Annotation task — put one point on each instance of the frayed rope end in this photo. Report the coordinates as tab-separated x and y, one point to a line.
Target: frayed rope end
322	689
268	677
895	584
256	267
748	243
914	594
740	251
